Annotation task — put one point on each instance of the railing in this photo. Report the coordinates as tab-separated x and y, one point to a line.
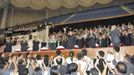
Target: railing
91	51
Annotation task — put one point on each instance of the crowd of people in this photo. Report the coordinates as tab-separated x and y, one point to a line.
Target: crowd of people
105	63
93	37
25	29
113	35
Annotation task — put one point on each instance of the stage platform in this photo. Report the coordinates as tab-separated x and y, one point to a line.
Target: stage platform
91	51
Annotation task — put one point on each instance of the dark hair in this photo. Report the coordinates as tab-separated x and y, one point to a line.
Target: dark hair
19	54
93	71
38	57
73	67
54	70
84	52
101	53
121	67
59	61
117	48
37	69
79	56
71	53
20	61
46	59
58	52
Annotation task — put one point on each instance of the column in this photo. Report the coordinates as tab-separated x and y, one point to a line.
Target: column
47	29
5	13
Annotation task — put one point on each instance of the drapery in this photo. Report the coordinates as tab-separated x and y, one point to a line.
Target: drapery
87	3
70	3
37	4
20	3
103	1
55	4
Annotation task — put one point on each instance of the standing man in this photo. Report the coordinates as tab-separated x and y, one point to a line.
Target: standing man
35	44
71	40
115	36
24	45
8	45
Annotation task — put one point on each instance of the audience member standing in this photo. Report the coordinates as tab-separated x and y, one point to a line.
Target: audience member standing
71	41
91	40
8	45
115	36
36	44
52	42
80	41
102	41
24	45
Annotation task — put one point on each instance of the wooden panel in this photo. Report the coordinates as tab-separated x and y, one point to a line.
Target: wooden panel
91	51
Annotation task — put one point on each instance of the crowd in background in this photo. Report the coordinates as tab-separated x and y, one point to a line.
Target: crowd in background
69	38
93	37
105	63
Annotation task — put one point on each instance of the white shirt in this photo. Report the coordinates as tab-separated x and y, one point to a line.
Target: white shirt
118	57
69	61
110	58
63	59
82	65
90	62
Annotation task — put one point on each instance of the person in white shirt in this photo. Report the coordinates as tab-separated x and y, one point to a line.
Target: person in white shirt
110	59
87	59
118	56
59	57
71	58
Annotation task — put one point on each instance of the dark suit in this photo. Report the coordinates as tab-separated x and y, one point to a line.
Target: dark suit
24	46
90	41
8	47
80	42
103	42
71	42
115	37
35	45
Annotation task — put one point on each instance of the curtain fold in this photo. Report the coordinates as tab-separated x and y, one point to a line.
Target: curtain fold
103	1
70	3
53	4
20	3
37	4
87	3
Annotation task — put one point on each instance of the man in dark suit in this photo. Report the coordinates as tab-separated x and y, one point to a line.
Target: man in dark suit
91	40
24	45
35	44
71	41
8	45
115	36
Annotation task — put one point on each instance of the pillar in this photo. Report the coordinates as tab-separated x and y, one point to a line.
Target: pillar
5	14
